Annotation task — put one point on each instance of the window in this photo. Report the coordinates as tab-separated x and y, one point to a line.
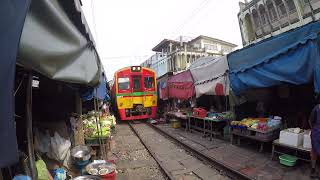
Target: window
123	83
136	82
211	46
149	82
272	11
281	8
291	6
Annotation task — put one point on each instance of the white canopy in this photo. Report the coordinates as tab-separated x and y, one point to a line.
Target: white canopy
211	78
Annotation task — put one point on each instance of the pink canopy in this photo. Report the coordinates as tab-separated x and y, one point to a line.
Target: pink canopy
181	86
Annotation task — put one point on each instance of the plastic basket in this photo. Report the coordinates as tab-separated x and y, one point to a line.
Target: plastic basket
288	160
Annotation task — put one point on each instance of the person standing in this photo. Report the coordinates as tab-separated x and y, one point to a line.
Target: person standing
314	121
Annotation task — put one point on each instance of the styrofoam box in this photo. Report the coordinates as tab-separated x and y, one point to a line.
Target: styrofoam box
307	140
290	138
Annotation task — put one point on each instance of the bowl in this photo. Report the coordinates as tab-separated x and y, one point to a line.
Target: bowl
100	168
81	153
87	177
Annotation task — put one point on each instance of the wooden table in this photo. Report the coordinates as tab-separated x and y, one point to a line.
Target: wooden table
297	150
253	134
209	121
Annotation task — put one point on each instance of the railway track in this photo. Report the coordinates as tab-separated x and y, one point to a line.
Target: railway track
178	160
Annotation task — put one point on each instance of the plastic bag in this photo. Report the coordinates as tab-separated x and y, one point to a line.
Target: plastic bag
43	173
59	147
42	141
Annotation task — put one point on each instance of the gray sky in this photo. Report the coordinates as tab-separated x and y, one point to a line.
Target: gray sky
125	31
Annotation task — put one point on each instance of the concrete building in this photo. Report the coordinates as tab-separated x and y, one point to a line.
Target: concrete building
177	55
261	19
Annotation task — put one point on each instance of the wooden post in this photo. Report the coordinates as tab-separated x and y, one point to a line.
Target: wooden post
78	133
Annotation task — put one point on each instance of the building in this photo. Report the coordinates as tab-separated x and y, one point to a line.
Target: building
177	55
261	19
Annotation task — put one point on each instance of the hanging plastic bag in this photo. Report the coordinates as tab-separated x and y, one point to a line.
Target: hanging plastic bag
59	147
42	141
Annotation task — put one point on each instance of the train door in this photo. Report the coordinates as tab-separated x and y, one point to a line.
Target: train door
124	89
150	90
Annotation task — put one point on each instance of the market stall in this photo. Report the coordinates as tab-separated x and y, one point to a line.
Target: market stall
269	77
295	142
48	80
262	130
180	90
212	123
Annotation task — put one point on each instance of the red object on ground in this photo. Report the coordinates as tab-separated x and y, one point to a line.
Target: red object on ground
199	112
110	176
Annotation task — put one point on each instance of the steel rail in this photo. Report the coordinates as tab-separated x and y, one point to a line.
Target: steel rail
159	162
215	163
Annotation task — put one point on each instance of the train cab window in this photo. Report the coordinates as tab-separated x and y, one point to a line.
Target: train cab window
149	82
124	83
136	83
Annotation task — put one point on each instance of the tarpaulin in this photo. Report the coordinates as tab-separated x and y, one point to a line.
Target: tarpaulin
210	77
163	90
52	45
100	92
180	86
12	15
291	57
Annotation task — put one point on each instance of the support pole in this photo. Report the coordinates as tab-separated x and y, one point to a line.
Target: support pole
29	132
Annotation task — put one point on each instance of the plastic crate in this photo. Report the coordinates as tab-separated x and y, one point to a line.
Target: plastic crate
94	141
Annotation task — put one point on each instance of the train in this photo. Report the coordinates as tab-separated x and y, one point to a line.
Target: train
134	93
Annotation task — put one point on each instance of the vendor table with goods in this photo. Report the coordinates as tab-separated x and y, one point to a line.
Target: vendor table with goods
263	130
178	115
213	123
293	141
97	128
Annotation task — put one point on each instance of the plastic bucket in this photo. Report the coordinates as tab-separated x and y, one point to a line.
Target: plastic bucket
288	160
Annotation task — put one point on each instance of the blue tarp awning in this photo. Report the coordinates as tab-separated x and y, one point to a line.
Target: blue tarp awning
291	57
12	15
100	92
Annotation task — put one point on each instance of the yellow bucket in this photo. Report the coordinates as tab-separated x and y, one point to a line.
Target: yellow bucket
175	123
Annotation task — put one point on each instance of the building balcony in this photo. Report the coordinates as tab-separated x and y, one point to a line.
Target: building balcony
260	19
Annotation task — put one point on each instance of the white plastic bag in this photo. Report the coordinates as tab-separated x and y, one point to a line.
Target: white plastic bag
59	147
42	141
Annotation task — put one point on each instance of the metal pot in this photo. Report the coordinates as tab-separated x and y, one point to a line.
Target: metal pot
81	153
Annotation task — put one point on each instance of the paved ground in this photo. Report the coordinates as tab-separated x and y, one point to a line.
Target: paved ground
132	159
247	160
179	163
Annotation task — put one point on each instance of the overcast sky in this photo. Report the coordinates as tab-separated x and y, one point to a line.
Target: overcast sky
125	31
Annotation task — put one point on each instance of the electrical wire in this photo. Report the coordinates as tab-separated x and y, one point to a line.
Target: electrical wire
94	22
193	14
18	86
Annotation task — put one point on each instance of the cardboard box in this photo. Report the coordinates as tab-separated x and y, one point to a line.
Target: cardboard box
307	140
290	138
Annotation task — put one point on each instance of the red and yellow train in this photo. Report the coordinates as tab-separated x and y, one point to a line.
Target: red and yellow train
134	93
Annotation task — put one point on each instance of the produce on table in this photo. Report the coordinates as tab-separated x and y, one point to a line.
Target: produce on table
105	123
262	124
